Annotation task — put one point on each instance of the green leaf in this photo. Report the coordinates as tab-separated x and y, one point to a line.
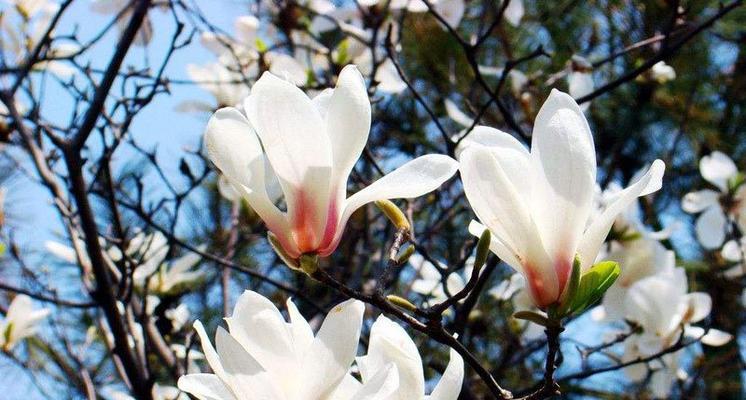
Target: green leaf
593	285
735	181
2	249
572	288
342	52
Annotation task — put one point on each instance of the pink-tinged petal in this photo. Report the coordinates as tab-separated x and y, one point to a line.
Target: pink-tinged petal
500	206
564	161
348	115
700	200
710	228
233	146
295	142
717	168
594	236
414	178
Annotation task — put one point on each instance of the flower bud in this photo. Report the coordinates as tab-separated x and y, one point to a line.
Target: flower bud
394	214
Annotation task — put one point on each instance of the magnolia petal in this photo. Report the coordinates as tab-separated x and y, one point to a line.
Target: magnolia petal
213	360
247	27
299	328
579	84
498	204
390	343
321	101
700	200
388	78
514	12
450	383
290	128
205	387
496	201
717	168
260	328
329	357
732	251
452	11
347	125
346	389
244	376
716	337
415	178
233	147
596	233
496	246
710	228
381	386
700	305
456	114
564	160
513	157
288	68
294	139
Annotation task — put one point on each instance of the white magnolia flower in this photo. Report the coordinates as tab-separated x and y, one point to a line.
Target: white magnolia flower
662	72
162	277
179	316
242	44
150	250
509	287
226	85
662	372
733	251
514	12
638	259
452	11
538	204
357	49
38	15
712	224
661	305
312	146
21	321
390	344
265	357
580	79
115	7
429	281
